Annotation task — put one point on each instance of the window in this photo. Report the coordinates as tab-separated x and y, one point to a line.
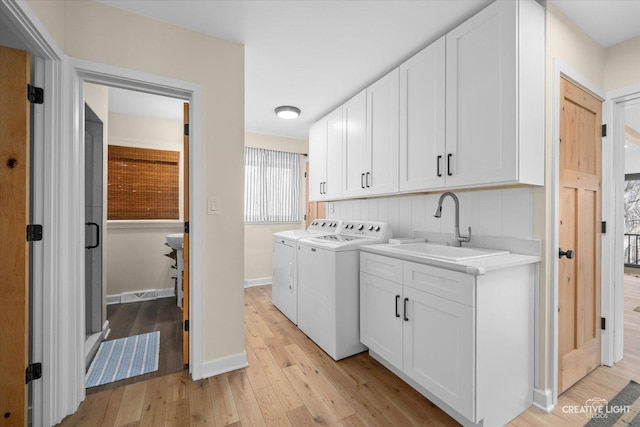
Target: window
143	184
271	186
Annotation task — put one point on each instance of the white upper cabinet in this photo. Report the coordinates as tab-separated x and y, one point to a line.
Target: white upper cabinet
381	177
495	97
325	157
371	139
354	116
422	119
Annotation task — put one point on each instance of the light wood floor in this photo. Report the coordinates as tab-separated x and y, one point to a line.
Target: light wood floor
290	381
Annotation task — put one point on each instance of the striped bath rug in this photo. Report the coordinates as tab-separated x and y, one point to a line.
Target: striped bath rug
124	358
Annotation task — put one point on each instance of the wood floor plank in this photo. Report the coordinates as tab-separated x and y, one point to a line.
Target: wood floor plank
354	420
201	404
281	386
178	384
177	413
245	400
255	373
301	417
132	403
273	412
331	395
224	406
154	408
312	398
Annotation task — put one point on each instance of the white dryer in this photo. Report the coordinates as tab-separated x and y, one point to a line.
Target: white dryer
285	254
329	286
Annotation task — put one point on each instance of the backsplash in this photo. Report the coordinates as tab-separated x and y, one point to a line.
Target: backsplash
503	212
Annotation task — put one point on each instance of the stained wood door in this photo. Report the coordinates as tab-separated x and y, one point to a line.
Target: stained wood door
185	250
15	71
580	231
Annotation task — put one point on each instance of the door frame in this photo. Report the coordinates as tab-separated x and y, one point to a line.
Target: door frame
560	69
613	115
82	71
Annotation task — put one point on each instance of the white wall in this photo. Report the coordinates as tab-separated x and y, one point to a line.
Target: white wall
502	212
106	35
622	64
135	250
258	244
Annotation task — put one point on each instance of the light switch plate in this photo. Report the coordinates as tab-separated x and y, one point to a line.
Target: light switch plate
213	205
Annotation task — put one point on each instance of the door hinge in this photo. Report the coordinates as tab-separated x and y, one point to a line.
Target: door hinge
604	227
604	130
186	325
305	174
186	129
35	95
305	217
33	372
603	323
34	232
186	227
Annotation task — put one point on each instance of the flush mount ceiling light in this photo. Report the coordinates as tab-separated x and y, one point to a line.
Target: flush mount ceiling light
287	112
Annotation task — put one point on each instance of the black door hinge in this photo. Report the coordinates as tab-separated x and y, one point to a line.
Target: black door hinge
186	227
35	95
604	130
186	129
603	323
186	325
604	227
34	372
34	233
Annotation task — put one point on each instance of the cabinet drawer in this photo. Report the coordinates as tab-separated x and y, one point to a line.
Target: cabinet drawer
381	266
452	285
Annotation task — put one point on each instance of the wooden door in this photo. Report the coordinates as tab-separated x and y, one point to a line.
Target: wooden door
185	251
580	227
15	72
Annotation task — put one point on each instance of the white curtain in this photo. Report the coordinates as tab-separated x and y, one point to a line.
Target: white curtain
271	186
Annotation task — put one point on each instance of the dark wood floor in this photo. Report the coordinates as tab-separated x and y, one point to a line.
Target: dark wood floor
136	318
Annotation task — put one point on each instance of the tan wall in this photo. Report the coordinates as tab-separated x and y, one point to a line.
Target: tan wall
622	64
568	43
258	245
107	35
135	250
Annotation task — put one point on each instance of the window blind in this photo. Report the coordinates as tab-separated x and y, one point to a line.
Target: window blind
271	186
142	184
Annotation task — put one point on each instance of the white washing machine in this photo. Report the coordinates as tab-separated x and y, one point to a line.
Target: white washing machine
329	287
285	254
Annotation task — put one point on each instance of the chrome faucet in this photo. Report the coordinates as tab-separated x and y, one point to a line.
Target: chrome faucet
457	238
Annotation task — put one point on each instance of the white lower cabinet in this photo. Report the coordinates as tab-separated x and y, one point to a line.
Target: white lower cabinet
464	341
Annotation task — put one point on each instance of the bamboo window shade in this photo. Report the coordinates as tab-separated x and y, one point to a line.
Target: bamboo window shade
143	184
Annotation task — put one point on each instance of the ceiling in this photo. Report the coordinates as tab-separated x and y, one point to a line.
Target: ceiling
317	54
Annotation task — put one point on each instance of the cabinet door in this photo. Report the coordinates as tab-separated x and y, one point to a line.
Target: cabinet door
439	348
334	162
422	119
482	98
380	317
317	159
354	115
381	176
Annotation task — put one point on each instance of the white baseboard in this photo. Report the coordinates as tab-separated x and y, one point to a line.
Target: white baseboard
543	399
257	282
147	295
222	366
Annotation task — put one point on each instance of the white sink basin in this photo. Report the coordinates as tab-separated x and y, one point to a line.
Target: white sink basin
449	253
175	240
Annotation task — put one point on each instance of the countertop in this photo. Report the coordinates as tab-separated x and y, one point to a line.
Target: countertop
475	267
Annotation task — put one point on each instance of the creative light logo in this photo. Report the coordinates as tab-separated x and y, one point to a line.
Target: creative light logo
596	407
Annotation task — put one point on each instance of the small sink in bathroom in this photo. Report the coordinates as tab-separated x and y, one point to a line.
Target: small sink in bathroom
175	240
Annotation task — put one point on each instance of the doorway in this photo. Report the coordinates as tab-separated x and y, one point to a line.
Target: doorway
143	178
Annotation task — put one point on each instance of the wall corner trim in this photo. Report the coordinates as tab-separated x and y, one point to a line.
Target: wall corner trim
543	399
224	365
